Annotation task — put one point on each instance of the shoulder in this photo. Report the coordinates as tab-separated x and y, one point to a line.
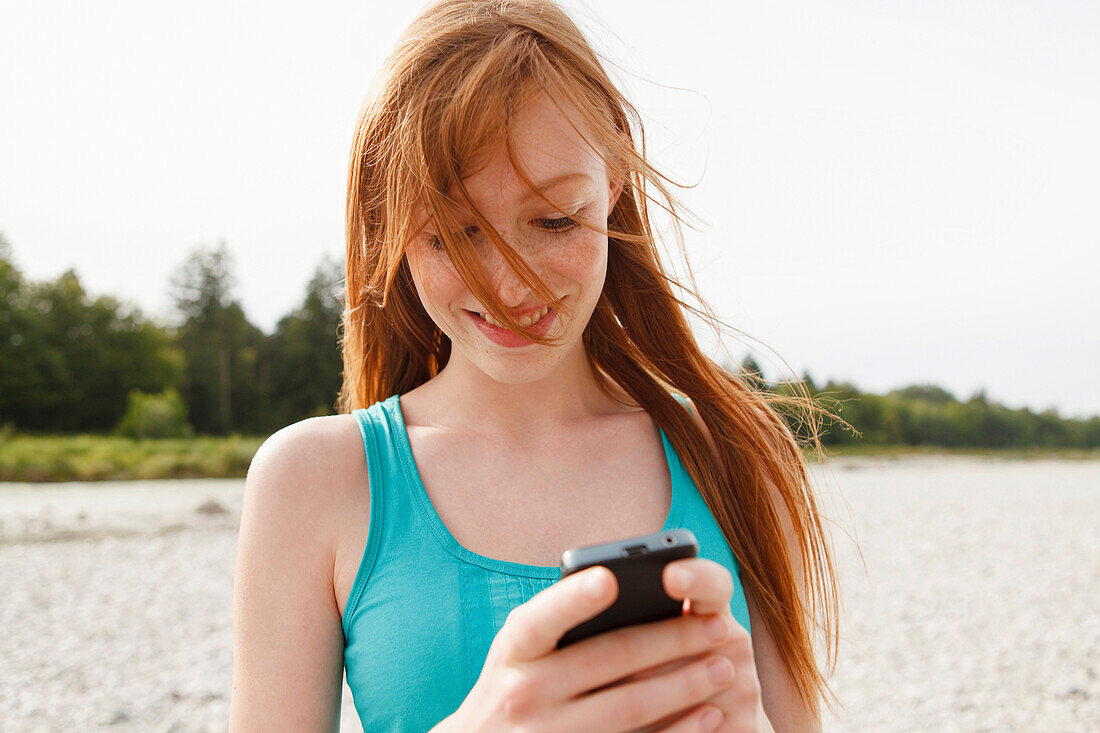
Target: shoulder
308	447
302	475
772	491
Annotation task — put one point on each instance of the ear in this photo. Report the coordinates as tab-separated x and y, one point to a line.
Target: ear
615	187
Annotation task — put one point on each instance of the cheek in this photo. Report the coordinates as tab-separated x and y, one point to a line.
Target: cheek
582	259
436	283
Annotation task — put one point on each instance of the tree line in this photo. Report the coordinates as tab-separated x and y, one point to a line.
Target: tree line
922	415
71	362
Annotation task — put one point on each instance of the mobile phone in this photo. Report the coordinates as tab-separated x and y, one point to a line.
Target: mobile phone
637	563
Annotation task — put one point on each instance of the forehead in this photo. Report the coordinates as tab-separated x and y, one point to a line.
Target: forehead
553	146
548	143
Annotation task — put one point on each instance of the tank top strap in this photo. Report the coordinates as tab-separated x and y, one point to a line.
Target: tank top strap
683	401
682	482
697	516
389	505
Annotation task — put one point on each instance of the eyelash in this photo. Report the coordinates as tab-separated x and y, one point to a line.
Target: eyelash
557	226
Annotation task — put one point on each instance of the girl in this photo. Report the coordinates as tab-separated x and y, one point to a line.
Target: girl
519	379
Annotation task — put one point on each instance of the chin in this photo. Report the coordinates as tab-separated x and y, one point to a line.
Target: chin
518	371
518	365
523	365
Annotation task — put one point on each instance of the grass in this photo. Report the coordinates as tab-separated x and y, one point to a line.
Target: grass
106	458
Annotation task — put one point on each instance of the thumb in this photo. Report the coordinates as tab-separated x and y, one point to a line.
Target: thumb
533	629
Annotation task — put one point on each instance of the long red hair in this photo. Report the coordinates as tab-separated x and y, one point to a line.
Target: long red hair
445	98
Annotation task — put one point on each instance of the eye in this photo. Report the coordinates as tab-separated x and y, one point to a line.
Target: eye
555	226
563	224
435	243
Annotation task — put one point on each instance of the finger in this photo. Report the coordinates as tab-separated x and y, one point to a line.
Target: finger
708	584
532	630
637	704
702	718
745	690
613	655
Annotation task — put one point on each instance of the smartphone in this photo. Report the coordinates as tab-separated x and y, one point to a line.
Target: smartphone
637	563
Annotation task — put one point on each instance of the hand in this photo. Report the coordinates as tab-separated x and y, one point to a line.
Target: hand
708	593
528	684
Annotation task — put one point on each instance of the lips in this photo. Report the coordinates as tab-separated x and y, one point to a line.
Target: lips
545	319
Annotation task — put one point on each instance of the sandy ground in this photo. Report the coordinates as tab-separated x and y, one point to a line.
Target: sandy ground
974	606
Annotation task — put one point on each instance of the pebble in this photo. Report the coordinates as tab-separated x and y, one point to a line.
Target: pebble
211	506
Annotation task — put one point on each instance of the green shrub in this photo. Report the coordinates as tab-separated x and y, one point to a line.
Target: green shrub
154	416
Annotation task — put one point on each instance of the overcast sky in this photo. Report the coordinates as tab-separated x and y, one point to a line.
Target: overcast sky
894	192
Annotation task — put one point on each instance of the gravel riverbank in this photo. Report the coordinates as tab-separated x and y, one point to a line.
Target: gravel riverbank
973	608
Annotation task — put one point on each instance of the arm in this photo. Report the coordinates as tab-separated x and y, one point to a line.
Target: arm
781	701
783	707
287	635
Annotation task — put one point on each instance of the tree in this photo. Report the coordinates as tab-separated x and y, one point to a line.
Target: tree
154	416
221	385
17	373
67	360
302	358
926	392
95	351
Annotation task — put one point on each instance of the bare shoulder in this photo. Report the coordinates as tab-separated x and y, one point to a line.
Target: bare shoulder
310	478
314	447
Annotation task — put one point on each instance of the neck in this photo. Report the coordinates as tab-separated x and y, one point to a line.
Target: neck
463	395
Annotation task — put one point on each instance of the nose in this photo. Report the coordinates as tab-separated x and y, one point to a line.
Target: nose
505	281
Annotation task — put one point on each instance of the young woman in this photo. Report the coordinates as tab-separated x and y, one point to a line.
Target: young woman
519	379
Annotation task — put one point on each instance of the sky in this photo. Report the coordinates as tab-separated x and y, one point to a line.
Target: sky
889	193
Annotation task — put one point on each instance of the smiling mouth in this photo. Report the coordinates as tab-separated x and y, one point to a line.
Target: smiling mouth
525	322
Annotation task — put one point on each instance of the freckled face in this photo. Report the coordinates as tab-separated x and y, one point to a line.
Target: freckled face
570	259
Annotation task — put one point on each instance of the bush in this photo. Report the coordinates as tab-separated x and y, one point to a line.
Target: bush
155	416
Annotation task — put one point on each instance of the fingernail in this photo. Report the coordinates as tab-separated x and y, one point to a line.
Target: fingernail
712	719
716	628
720	671
682	577
596	585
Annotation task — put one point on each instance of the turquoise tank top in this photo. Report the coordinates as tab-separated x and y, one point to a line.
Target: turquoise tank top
423	609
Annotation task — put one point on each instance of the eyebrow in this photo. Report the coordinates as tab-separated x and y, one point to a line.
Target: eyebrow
554	181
